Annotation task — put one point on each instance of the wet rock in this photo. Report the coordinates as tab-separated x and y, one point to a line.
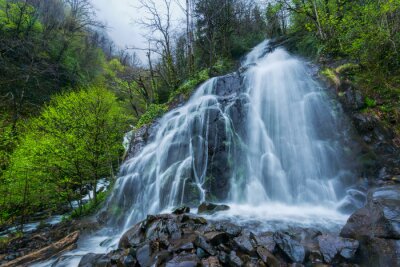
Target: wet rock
364	122
291	248
379	218
352	99
132	237
202	243
181	210
229	228
211	208
243	243
216	238
267	257
93	260
266	240
379	252
154	242
143	255
139	139
129	261
184	260
186	247
234	260
332	247
228	84
211	262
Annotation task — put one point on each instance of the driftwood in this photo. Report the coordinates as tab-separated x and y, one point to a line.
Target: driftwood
63	245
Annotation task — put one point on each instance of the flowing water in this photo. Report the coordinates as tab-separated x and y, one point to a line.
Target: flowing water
270	142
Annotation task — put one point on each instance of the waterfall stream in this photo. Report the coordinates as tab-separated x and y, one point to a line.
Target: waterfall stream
267	140
268	135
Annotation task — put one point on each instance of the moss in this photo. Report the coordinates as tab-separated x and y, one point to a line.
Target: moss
331	76
188	87
153	112
369	102
346	67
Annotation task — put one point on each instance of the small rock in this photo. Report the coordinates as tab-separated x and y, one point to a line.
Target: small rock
211	262
143	255
266	240
187	246
92	260
129	261
181	210
202	243
184	260
243	242
267	257
331	247
211	208
292	248
234	260
215	238
228	227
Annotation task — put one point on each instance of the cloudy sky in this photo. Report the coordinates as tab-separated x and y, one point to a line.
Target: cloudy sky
121	15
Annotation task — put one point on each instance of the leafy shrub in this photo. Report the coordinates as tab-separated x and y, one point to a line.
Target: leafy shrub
369	102
153	112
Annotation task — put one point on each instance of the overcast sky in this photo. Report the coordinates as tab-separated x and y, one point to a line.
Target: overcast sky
120	17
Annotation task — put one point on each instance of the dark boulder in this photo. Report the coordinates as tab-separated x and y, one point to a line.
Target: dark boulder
290	247
211	208
377	227
379	218
332	247
379	252
94	260
215	238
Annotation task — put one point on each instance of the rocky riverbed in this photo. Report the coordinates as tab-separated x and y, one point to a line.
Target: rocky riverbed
369	238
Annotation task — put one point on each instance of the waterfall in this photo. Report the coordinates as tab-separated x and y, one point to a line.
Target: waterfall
295	139
267	140
269	134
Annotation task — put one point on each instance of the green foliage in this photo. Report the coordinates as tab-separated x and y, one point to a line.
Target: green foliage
153	112
187	88
370	103
91	207
365	34
75	141
330	74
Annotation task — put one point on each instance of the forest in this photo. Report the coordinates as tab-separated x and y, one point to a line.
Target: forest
68	94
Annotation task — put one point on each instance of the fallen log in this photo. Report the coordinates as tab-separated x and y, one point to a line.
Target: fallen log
63	245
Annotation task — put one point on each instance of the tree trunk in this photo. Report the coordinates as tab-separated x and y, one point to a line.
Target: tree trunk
66	244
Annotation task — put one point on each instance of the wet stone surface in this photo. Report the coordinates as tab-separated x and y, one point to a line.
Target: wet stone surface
190	240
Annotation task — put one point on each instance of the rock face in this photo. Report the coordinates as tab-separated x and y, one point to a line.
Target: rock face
380	148
377	227
189	240
379	218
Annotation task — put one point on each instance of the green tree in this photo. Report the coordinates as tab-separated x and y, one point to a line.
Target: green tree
75	141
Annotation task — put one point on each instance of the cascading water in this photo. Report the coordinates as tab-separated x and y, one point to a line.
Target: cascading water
295	141
266	140
268	135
